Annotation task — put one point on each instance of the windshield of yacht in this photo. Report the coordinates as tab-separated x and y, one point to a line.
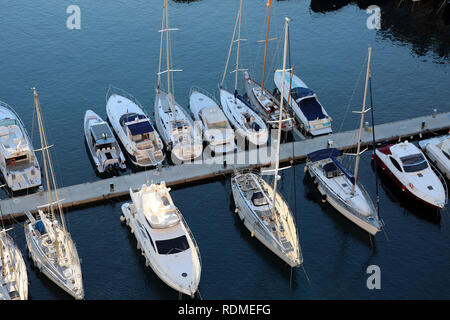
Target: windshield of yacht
8	122
259	199
172	246
217	125
414	163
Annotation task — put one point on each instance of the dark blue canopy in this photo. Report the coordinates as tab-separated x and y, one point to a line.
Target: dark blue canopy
323	154
300	92
311	108
344	170
140	128
40	227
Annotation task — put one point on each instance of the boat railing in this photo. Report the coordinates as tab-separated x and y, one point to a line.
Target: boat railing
205	92
244	171
190	234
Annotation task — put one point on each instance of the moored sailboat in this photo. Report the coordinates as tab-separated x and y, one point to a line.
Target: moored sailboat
49	243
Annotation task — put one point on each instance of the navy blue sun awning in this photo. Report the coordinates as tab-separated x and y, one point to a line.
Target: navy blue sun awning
323	154
140	128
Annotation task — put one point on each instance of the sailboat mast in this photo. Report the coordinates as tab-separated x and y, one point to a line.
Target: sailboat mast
237	54
229	50
277	162
167	47
362	121
265	47
2	254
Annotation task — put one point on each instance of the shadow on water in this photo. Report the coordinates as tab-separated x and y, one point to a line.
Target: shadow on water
425	26
397	196
312	193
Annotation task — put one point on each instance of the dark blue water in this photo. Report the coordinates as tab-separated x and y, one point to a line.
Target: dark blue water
119	44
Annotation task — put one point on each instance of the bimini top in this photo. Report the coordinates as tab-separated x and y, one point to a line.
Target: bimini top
102	133
324	154
140	128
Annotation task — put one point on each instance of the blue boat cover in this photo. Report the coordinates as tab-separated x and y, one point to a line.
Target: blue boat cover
344	170
323	154
311	108
40	227
140	128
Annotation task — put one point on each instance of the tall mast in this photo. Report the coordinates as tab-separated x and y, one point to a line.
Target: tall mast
229	50
237	54
167	48
265	46
2	254
277	163
160	47
363	111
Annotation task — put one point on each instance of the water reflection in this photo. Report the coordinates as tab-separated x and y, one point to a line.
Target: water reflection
426	26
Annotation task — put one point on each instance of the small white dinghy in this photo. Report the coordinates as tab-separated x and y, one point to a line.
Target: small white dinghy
134	129
102	144
438	151
407	166
18	162
305	104
217	131
13	272
164	237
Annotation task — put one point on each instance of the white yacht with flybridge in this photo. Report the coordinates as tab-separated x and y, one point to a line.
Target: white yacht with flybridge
164	237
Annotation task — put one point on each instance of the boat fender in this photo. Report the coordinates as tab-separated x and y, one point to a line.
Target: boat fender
253	233
305	169
236	210
132	230
138	246
403	188
324	198
411	186
122	218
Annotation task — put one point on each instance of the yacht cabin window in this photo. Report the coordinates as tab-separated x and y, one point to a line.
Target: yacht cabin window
172	246
414	163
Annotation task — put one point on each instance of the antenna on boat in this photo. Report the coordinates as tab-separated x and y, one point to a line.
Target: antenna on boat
363	111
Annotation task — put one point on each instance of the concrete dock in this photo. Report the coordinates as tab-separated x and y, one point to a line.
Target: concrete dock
179	175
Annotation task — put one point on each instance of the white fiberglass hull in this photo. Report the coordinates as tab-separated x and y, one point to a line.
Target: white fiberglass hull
116	161
118	106
67	275
168	271
13	285
185	146
235	109
434	148
361	220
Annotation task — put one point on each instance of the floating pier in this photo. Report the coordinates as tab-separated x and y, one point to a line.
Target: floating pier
179	175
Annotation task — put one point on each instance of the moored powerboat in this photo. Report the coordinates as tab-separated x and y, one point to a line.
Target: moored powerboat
18	162
407	166
217	131
102	144
134	129
438	151
164	237
13	273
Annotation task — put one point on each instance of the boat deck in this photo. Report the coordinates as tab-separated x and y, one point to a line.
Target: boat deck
180	175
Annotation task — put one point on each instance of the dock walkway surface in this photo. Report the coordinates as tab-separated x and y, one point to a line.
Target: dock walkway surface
178	175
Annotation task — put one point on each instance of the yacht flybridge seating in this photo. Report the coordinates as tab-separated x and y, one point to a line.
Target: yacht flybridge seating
102	144
307	108
18	162
134	129
164	237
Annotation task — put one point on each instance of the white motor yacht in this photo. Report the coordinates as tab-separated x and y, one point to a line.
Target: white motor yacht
134	129
164	237
438	151
217	131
